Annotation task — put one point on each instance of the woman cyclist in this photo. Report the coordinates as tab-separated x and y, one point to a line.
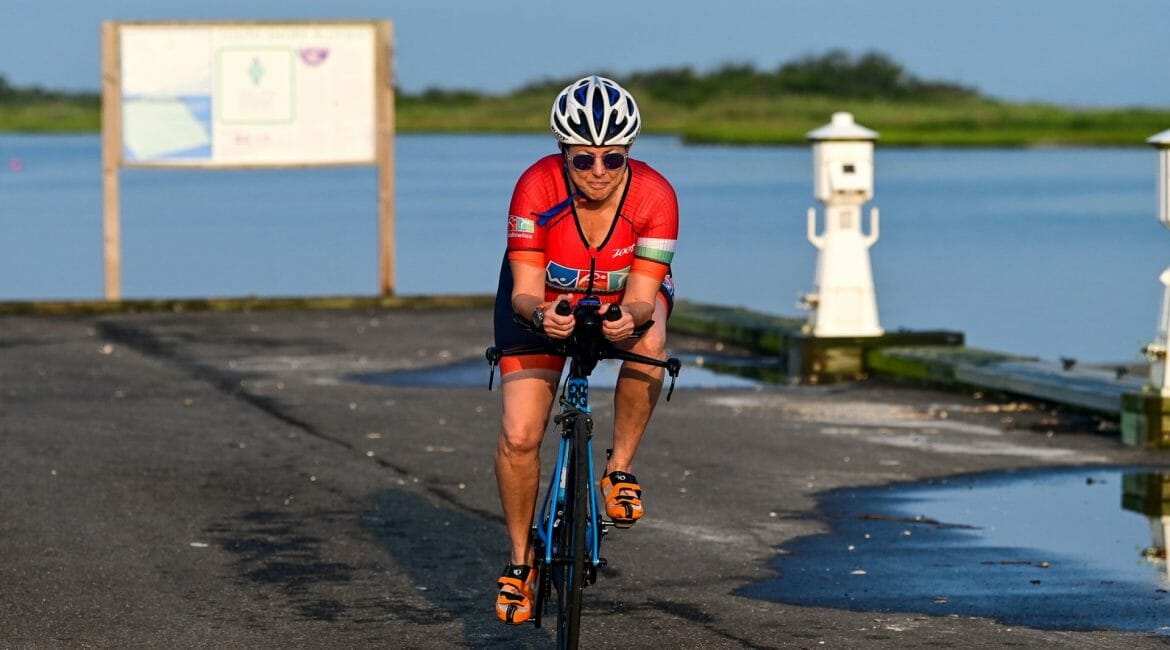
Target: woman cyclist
587	219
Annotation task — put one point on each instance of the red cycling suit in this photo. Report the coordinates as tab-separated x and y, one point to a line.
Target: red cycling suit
543	231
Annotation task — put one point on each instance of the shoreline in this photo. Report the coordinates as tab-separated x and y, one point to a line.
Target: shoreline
686	141
887	142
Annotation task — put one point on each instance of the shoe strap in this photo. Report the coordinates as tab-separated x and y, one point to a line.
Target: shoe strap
515	575
619	481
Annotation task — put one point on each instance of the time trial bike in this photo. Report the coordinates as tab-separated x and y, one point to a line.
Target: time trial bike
567	533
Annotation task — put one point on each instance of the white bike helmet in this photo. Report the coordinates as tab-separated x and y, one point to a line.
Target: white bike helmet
595	112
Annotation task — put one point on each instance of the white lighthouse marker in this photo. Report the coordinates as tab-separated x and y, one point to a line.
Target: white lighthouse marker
843	302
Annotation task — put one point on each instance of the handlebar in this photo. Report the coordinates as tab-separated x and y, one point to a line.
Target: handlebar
613	313
586	346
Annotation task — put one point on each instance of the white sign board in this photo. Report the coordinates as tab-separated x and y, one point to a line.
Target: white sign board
248	94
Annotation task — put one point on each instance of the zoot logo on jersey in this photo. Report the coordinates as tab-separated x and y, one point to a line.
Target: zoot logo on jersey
623	251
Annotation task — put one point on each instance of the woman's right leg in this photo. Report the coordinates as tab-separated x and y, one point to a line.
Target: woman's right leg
528	396
528	393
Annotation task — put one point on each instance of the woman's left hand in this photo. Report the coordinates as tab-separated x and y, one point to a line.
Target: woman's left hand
617	330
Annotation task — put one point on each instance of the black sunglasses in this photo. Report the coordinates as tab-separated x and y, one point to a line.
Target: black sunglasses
612	161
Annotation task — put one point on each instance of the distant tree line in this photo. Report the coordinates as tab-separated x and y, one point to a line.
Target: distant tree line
12	95
871	75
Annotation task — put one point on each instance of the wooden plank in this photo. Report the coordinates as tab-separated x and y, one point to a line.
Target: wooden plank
111	159
384	150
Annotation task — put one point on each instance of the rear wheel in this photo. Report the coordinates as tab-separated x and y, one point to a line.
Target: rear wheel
570	580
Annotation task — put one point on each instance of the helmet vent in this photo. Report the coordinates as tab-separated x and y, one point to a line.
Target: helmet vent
595	111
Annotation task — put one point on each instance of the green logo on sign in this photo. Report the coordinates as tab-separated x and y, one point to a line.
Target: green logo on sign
256	71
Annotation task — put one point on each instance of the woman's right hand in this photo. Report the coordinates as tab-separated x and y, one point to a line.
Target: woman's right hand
557	326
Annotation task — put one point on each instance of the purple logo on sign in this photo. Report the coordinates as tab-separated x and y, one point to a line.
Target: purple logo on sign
314	55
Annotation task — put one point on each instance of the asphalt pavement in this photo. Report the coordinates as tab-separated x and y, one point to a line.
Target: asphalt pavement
231	480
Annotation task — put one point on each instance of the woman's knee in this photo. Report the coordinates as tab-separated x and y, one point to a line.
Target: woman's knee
652	343
521	436
528	395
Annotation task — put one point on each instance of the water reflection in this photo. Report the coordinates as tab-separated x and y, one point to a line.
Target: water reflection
1148	493
768	371
1045	548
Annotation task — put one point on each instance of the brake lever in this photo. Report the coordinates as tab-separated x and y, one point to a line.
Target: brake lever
673	366
493	359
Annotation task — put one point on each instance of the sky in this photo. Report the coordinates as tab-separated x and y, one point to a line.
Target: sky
1079	53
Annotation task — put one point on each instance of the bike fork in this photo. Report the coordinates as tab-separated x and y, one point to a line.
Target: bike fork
576	402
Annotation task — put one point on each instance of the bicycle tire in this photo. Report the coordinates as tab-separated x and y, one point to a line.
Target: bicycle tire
571	584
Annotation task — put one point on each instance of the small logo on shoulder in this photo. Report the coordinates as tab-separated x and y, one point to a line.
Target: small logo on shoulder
521	224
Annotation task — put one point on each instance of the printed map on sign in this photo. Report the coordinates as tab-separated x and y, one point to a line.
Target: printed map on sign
263	94
248	94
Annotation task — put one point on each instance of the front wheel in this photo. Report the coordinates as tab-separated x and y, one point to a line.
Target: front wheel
571	579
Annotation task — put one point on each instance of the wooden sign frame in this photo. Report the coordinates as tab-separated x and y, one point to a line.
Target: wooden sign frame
113	159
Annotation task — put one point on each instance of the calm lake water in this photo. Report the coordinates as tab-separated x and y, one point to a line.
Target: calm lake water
1048	252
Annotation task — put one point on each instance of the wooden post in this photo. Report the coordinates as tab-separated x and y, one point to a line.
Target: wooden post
384	150
111	158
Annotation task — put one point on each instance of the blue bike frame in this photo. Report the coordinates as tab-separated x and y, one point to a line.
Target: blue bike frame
576	403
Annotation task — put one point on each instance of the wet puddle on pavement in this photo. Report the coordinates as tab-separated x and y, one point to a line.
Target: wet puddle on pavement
697	372
1070	548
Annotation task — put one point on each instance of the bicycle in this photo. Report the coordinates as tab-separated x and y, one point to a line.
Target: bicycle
567	533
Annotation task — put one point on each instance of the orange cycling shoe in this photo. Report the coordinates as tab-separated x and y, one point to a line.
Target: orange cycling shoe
623	509
515	600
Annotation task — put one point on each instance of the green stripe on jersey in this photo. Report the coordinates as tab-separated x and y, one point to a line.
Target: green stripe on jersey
659	250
